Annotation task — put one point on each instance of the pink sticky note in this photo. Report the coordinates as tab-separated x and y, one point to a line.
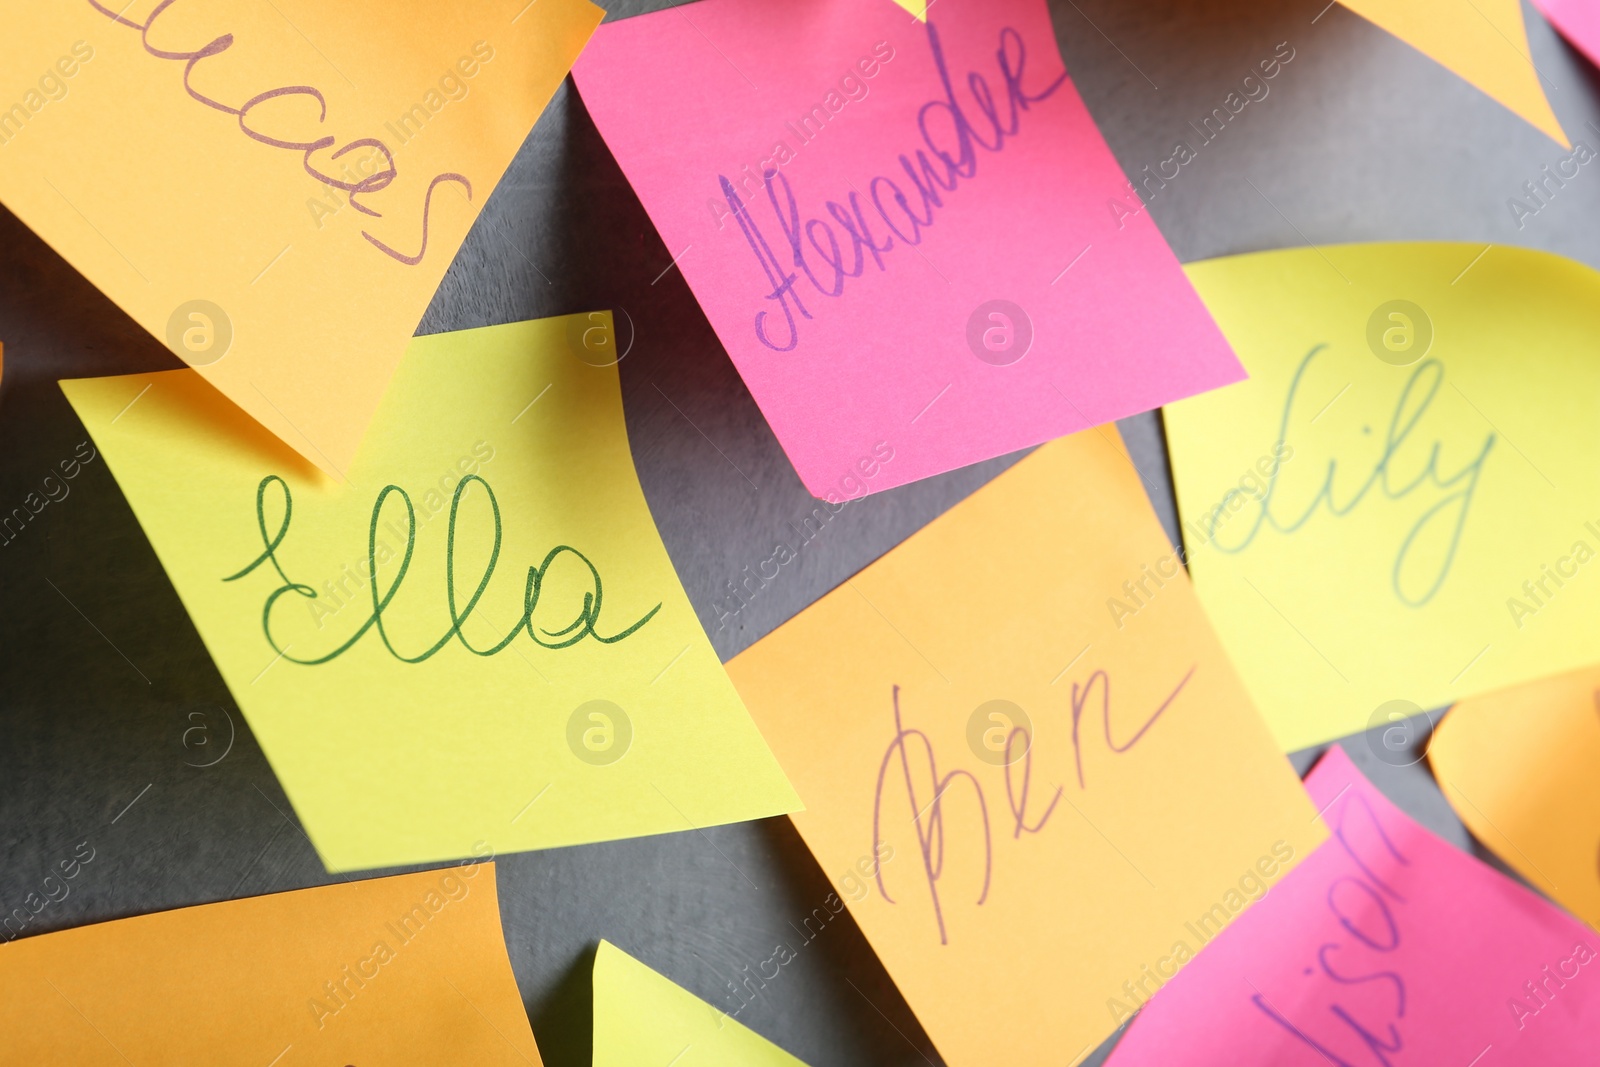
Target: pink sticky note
1386	946
910	237
1576	20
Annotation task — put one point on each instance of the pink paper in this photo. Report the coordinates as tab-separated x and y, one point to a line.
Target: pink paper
998	283
1576	20
1386	947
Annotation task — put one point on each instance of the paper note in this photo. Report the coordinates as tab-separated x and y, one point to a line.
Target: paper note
292	179
1486	43
1386	946
1400	507
910	236
476	639
1578	21
1027	793
404	970
641	1017
1521	767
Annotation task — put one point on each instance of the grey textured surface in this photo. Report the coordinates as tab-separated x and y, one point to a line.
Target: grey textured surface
1359	139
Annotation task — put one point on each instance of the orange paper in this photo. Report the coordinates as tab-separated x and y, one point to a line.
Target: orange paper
1482	41
409	970
1521	767
1032	798
274	190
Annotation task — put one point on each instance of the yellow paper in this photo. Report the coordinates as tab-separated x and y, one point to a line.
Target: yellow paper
918	8
283	274
409	970
1483	41
433	749
642	1019
1144	804
1522	769
1427	578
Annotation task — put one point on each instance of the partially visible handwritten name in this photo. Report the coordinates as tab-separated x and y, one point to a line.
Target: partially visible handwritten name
1363	903
371	183
1448	511
928	809
827	264
582	625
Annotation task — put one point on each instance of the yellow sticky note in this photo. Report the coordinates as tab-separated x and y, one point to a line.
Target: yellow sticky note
1484	42
291	179
1401	506
409	970
1521	767
1036	807
642	1018
918	8
478	639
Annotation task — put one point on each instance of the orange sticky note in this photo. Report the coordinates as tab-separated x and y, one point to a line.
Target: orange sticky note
1521	767
274	190
1037	804
1482	41
409	970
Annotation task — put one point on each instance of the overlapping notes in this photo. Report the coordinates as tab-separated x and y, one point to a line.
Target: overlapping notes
274	190
1521	767
409	970
1486	44
1401	506
1385	946
1030	800
477	639
910	236
641	1017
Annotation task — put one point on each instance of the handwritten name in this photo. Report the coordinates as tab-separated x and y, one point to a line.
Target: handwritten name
1449	511
371	183
582	626
1361	904
814	248
928	820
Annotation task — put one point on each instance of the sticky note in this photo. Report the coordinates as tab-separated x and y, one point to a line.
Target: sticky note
477	639
1521	767
641	1017
1578	21
909	236
1025	796
1400	507
292	180
403	970
1485	43
1385	942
